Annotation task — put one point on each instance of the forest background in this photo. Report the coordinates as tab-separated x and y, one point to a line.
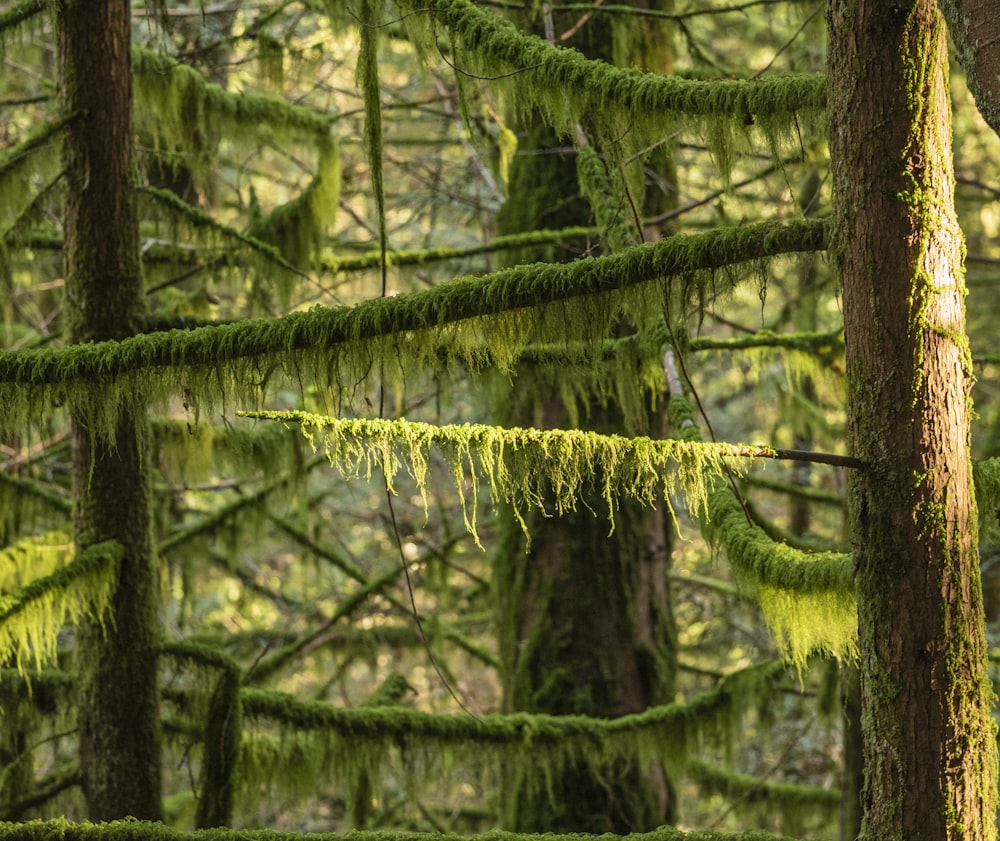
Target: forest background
614	672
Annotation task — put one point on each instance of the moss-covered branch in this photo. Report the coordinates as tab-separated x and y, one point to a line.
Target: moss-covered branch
667	728
27	168
564	86
181	110
18	14
523	467
808	598
480	320
31	616
372	259
199	221
133	830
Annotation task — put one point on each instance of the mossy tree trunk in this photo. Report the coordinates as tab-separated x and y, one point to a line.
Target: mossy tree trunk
585	616
118	700
929	738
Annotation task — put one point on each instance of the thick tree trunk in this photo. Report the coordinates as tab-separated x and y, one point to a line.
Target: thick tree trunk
118	711
929	739
585	619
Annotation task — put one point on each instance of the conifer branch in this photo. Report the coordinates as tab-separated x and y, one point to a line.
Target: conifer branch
570	73
322	329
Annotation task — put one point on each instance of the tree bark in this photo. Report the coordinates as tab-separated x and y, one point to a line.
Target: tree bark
118	711
929	740
585	619
975	28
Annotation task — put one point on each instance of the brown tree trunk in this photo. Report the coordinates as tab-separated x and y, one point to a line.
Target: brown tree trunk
974	26
118	710
929	743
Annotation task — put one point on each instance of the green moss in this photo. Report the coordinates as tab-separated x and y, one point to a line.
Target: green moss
315	737
185	114
808	599
789	806
133	830
527	468
166	204
28	169
473	320
567	89
12	20
31	615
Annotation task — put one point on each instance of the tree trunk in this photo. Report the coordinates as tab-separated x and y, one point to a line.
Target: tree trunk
585	619
975	28
118	711
929	743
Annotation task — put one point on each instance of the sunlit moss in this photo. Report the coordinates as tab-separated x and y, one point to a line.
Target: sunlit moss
567	88
33	557
808	599
31	616
527	468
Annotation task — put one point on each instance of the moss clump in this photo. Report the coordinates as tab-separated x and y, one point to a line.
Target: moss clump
31	615
523	467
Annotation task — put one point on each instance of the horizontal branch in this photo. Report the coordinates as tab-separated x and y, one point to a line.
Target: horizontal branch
549	68
324	328
133	830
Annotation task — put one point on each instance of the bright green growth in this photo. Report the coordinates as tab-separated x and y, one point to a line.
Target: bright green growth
528	468
31	616
808	599
185	115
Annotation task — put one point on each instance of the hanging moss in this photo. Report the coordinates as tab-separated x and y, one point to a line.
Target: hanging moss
787	805
296	228
185	113
221	735
567	88
31	616
190	451
335	263
808	599
12	19
22	498
211	230
316	738
523	467
27	169
33	557
369	19
462	319
605	199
